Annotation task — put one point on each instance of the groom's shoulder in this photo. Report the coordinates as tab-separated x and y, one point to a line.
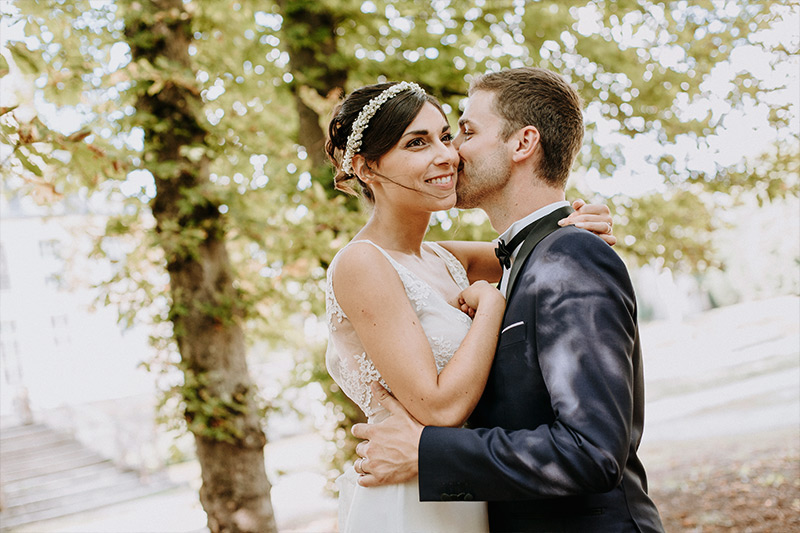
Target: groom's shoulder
573	247
570	240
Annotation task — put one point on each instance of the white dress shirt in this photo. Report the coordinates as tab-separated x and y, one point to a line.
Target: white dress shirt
518	226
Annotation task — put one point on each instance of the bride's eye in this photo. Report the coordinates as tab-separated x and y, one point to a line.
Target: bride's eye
414	143
447	138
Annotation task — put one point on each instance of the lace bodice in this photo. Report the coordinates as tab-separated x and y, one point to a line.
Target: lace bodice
444	326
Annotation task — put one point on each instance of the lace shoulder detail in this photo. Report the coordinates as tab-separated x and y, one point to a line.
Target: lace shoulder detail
455	267
333	310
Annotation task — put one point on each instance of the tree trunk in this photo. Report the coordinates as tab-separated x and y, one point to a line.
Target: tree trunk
217	391
309	34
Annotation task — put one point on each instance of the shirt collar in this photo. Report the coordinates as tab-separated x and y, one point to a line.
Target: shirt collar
520	224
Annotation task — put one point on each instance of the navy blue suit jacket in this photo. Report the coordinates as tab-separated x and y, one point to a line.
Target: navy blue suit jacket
552	443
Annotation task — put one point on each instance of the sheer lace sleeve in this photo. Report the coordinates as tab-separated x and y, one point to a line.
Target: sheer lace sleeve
345	359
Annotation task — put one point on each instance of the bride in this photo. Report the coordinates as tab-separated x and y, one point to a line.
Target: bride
419	317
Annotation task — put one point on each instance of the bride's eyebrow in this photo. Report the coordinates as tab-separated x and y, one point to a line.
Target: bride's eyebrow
424	132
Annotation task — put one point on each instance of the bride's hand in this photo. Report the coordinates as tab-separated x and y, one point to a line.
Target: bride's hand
480	291
593	217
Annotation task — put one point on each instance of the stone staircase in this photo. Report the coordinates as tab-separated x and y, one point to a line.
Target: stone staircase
47	474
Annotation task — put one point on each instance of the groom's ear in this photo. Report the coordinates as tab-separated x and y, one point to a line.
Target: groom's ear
525	144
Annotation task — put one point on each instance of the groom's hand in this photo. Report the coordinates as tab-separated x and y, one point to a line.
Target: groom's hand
391	447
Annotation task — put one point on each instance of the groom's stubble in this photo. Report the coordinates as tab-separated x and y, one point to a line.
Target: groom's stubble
481	179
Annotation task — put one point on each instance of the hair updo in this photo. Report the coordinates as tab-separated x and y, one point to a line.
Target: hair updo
381	135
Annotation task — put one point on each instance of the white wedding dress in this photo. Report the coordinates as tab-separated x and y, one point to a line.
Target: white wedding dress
396	508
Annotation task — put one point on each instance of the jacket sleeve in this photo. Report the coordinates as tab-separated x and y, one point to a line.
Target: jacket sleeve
583	310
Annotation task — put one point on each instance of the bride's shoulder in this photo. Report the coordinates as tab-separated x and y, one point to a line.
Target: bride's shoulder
362	265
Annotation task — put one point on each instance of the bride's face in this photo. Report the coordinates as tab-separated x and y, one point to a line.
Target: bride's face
420	171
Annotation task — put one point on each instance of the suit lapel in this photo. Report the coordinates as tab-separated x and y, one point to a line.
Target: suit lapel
541	229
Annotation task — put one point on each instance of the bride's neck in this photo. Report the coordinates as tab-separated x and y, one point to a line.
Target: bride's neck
395	231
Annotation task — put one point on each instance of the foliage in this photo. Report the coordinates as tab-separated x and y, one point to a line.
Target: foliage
269	72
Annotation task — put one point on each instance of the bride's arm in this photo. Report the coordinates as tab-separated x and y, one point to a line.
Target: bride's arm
372	296
480	261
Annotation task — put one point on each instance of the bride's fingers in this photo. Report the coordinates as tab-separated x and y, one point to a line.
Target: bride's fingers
581	218
600	228
590	209
609	238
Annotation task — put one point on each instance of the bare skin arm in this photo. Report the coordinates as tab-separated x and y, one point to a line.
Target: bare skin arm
373	298
480	261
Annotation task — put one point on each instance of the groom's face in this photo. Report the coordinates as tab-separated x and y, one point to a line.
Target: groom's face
485	157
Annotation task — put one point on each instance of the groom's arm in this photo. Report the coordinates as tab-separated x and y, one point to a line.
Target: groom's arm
584	311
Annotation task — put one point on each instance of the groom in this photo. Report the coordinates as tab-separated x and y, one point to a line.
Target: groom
552	443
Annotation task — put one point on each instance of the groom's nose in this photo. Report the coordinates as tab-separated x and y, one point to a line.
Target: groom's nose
457	140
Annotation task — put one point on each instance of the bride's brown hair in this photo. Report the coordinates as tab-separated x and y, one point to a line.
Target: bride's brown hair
382	134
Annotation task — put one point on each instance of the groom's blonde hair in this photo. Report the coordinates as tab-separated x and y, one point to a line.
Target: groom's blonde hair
541	98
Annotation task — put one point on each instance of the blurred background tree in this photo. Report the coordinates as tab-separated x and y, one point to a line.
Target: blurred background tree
206	138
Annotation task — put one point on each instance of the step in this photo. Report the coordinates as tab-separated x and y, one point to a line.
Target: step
68	484
33	443
111	479
31	468
12	432
52	453
79	503
76	474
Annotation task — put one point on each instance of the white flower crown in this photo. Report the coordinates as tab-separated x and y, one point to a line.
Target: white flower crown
366	114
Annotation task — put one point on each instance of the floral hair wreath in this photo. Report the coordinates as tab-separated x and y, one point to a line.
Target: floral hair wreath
366	114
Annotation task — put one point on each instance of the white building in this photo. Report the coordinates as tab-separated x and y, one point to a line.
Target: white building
64	360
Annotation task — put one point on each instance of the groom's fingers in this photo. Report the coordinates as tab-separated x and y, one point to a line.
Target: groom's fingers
361	431
361	448
367	480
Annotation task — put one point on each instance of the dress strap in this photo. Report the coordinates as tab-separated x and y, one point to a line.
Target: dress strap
454	266
333	309
394	263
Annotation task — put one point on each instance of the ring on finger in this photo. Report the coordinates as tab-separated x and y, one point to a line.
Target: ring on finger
357	466
609	227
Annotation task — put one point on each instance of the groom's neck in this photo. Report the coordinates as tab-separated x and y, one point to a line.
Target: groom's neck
517	202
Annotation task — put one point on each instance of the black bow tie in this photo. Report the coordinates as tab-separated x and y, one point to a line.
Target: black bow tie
503	254
503	251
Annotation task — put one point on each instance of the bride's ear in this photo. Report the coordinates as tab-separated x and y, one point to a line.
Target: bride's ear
362	169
